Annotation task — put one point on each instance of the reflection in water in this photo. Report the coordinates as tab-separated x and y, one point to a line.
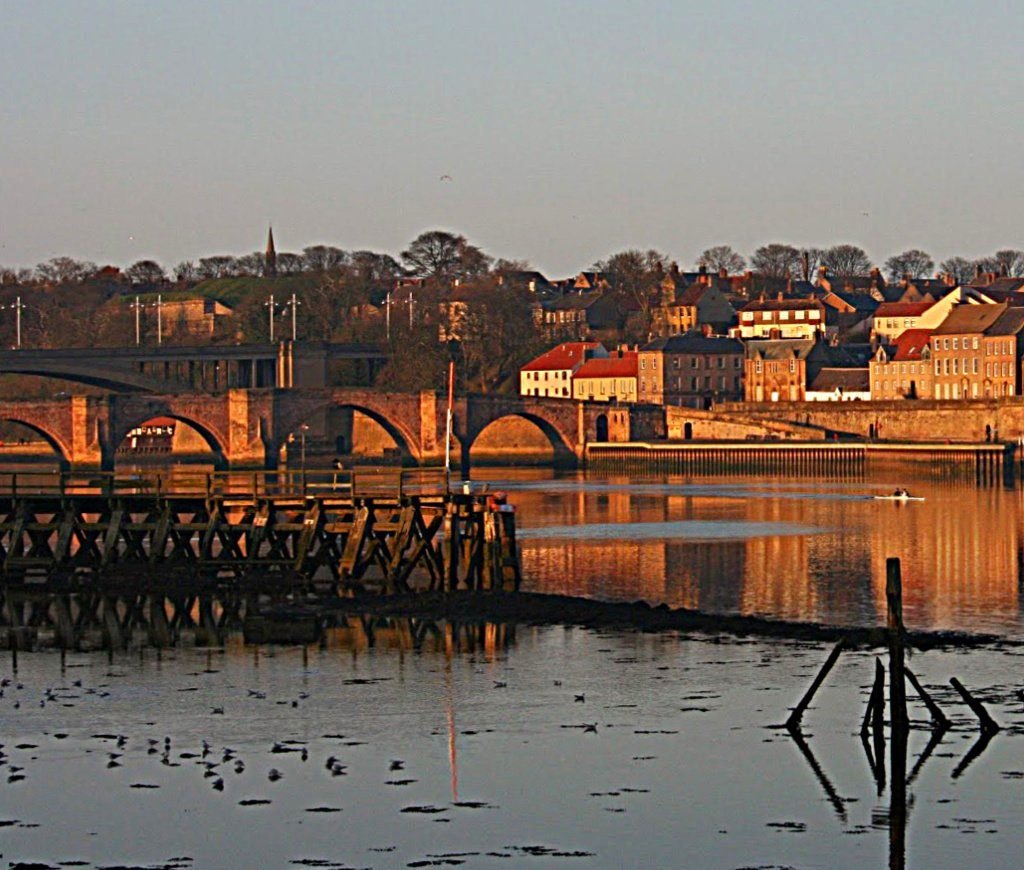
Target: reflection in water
811	550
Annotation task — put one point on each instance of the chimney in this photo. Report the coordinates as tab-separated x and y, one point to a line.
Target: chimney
779	297
705	330
822	273
723	272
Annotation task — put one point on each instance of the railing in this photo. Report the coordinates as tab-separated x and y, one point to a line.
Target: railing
289	483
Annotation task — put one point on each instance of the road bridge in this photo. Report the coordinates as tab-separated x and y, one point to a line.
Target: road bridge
247	427
208	369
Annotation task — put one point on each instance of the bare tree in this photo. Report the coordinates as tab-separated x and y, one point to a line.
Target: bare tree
720	257
776	260
380	269
440	254
145	272
503	266
634	275
846	261
914	262
185	271
1009	262
961	269
324	258
220	266
65	270
290	264
251	265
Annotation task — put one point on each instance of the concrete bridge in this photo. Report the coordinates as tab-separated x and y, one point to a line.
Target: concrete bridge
209	368
246	428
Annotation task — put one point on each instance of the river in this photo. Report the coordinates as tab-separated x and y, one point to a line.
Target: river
550	746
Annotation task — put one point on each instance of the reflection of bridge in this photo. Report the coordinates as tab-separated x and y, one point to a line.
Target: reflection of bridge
246	428
207	368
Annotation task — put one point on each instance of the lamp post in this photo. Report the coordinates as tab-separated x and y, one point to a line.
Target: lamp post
159	319
18	307
294	303
387	316
269	305
303	429
138	306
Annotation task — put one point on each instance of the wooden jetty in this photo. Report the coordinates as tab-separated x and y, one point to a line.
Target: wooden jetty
384	530
992	463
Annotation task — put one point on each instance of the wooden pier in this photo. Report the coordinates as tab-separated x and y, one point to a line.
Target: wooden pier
988	463
380	530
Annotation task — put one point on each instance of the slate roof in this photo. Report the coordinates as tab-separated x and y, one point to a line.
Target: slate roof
1010	322
969	319
849	380
695	342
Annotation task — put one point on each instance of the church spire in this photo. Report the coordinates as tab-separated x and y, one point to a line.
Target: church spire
270	258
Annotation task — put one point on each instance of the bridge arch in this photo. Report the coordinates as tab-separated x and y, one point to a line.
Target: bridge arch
405	441
120	429
55	441
563	448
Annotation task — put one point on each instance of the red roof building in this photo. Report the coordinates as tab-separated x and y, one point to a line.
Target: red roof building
611	379
550	375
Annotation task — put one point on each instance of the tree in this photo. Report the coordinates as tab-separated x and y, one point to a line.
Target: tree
220	266
185	271
290	264
776	260
846	261
634	276
503	266
251	265
145	272
960	268
323	258
65	270
440	254
720	257
380	269
914	262
1009	262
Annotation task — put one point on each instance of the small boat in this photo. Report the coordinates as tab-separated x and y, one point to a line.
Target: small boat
903	496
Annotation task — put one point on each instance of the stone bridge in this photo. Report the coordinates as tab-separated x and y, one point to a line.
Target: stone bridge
210	368
246	428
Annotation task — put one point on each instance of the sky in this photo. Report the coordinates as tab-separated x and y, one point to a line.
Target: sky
555	132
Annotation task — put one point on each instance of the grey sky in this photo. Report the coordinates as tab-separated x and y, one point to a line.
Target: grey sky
569	130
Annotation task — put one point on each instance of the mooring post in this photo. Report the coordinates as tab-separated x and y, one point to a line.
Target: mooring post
876	701
793	722
988	724
897	686
938	717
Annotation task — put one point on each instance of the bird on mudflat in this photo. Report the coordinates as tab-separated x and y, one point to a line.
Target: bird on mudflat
274	775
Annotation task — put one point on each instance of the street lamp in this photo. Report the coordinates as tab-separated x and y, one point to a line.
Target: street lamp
303	429
294	303
138	306
271	310
18	308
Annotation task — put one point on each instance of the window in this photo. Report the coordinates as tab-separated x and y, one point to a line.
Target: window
954	344
974	366
748	316
975	342
694	362
792	366
798	315
955	361
693	383
721	362
757	366
783	315
643	363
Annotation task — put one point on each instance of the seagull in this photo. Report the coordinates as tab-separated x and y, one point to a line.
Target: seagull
579	699
446	178
274	774
590	729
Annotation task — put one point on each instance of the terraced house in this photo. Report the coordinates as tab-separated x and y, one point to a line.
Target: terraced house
691	370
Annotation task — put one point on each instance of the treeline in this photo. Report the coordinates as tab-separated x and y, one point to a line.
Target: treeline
439	253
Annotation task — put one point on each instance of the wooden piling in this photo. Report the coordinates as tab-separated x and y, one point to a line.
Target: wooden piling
938	717
988	724
793	722
873	713
898	719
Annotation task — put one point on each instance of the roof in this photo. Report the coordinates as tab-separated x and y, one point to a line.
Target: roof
785	304
1010	322
617	366
849	380
910	343
694	342
969	319
567	355
792	348
902	309
572	301
860	301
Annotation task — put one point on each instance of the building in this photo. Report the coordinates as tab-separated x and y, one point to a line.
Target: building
550	375
894	318
692	370
780	318
198	318
959	357
684	306
839	385
567	317
610	379
783	370
903	368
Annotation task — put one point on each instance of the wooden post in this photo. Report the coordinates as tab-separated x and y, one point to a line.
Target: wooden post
793	722
875	700
938	717
988	725
897	688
